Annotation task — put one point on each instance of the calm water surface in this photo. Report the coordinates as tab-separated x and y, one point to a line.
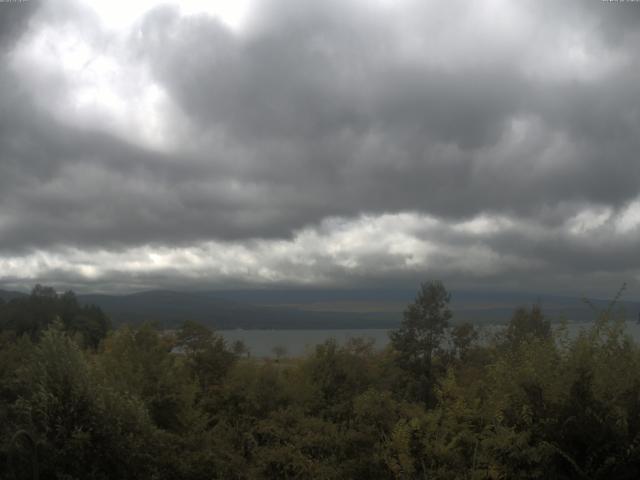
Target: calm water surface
261	343
298	342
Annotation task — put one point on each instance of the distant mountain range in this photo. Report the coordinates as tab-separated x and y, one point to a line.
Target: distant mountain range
7	295
170	308
323	309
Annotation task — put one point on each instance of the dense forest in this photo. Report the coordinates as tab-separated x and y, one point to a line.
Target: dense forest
80	400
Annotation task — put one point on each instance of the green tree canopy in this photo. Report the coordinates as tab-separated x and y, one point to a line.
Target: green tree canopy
421	333
32	314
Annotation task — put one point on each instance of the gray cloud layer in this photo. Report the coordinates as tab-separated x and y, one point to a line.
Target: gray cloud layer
526	113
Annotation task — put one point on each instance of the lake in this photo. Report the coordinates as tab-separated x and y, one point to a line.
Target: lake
299	342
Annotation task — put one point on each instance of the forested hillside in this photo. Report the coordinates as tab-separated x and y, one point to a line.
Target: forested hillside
79	400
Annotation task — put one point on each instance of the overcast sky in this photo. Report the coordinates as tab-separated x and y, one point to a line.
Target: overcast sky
334	143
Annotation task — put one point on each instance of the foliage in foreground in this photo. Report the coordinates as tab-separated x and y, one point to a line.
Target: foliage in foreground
528	402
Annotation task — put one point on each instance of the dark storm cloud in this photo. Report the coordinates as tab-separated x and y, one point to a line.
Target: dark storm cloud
14	19
315	110
328	103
